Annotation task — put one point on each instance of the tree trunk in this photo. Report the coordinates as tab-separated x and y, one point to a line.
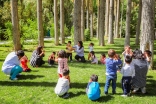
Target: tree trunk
138	23
91	18
77	21
40	23
15	25
128	18
82	20
147	28
87	17
62	21
101	23
121	19
107	18
117	19
56	23
110	38
98	20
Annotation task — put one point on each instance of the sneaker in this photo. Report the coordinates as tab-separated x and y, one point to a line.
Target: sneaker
124	95
66	96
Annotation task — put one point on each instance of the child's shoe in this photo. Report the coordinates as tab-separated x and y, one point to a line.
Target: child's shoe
65	96
124	95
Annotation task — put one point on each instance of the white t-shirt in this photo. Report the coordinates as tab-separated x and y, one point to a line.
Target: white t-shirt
10	61
62	86
128	70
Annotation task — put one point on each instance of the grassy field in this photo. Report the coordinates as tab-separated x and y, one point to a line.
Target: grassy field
37	86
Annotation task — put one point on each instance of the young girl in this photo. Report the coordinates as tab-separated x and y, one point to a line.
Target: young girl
94	60
91	48
24	60
69	50
51	59
102	58
62	63
147	55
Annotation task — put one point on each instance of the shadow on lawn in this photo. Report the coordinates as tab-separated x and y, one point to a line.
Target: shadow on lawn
17	83
76	94
23	77
104	99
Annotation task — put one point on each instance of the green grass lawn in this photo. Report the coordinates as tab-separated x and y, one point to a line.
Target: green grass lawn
37	86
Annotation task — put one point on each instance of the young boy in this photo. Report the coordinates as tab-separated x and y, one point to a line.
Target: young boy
128	72
51	59
111	70
93	89
69	50
62	86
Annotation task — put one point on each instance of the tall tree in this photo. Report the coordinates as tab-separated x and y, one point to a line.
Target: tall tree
98	19
87	16
128	18
110	38
40	23
91	17
82	20
147	27
56	23
117	20
138	23
115	17
62	21
15	25
101	23
77	21
107	18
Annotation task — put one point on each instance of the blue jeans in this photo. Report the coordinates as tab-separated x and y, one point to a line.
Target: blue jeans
15	71
110	78
126	84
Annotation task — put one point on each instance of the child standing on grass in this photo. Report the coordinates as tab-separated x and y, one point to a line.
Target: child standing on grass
93	88
62	86
111	70
147	55
69	50
24	60
128	73
91	48
51	59
103	58
94	60
127	51
62	63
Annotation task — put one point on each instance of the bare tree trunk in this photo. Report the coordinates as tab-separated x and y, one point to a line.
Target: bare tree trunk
138	23
91	18
110	38
121	19
40	23
87	17
62	21
128	18
98	20
107	18
82	20
147	28
117	19
56	23
15	25
101	23
77	21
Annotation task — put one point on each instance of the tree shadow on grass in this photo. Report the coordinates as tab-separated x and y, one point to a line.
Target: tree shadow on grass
28	84
24	77
71	95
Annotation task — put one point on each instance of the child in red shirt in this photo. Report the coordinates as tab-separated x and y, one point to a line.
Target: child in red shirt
24	60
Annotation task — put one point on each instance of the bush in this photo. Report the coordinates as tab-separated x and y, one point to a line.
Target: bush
87	35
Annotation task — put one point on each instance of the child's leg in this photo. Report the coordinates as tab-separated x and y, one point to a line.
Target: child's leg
89	55
114	84
15	71
108	79
70	56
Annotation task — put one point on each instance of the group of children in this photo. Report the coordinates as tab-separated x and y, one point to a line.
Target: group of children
93	88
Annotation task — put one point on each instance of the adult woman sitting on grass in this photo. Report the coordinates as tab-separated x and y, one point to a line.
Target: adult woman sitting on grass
79	49
37	57
140	66
11	64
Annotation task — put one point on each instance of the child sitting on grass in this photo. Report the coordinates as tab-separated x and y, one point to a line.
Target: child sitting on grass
24	60
62	86
51	59
91	48
94	59
93	88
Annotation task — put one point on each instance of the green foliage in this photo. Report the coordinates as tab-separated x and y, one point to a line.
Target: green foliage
66	31
8	31
52	30
87	35
72	33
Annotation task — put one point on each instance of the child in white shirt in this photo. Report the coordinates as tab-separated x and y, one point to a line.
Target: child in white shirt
91	48
62	86
128	73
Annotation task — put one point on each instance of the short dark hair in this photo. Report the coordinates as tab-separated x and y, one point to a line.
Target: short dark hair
54	53
149	53
92	44
111	53
62	54
69	42
128	59
94	78
103	55
137	54
65	72
20	53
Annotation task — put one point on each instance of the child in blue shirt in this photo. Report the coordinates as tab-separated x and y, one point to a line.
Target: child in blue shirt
111	70
93	88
